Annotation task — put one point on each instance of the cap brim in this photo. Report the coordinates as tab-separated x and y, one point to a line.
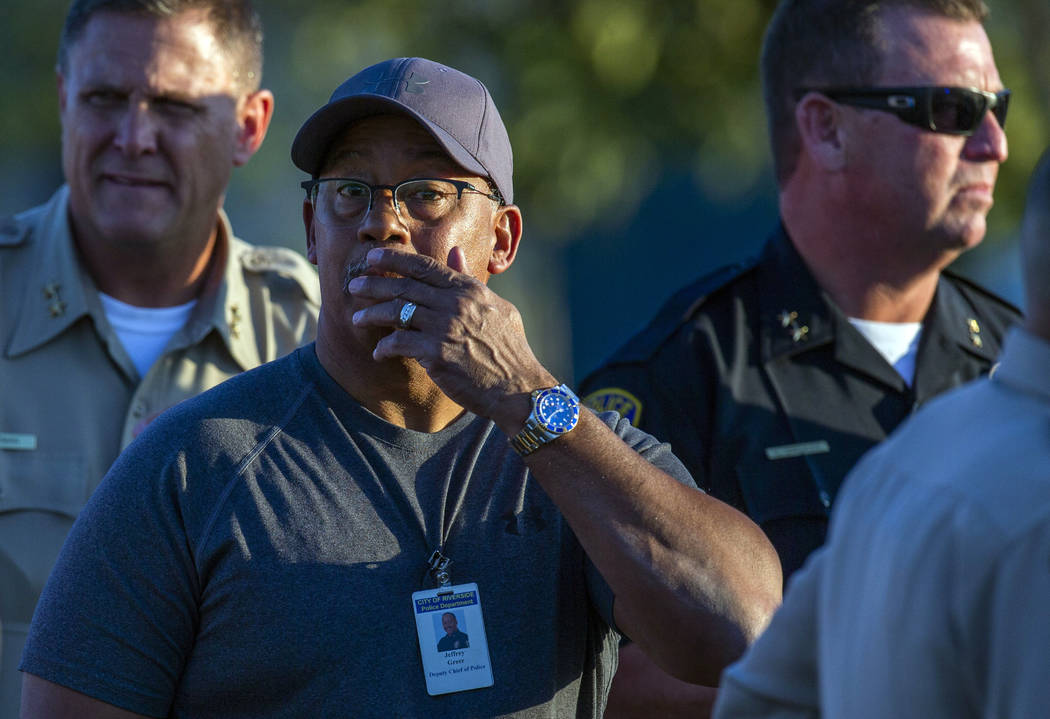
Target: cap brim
316	135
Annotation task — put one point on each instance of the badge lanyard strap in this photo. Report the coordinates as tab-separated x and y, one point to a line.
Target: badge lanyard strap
438	564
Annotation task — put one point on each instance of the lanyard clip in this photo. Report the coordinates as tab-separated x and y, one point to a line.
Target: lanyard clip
439	564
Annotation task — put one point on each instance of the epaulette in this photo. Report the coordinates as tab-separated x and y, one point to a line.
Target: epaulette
676	311
12	232
285	262
974	291
270	259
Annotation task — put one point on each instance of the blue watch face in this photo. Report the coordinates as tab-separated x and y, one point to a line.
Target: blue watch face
557	411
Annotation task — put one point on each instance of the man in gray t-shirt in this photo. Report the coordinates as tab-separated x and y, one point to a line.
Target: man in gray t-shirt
286	544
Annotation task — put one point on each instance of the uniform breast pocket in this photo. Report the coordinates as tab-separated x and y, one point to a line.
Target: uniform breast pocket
32	481
784	499
40	496
779	488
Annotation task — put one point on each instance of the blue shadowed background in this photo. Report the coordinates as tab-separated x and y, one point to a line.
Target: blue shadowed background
641	158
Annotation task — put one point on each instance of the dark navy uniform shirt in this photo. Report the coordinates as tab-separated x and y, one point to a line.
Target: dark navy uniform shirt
769	395
456	640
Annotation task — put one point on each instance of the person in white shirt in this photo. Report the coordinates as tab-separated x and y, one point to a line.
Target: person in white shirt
929	599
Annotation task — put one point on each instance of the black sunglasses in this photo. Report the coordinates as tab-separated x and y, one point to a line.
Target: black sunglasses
951	110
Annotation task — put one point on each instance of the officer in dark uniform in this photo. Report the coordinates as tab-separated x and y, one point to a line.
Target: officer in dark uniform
768	393
756	375
771	378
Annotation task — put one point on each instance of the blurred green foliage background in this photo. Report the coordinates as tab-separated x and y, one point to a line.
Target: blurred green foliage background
611	105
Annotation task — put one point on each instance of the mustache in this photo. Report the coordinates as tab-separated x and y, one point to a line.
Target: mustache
355	269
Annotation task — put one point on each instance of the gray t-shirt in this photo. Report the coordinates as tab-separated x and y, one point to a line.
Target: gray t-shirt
254	553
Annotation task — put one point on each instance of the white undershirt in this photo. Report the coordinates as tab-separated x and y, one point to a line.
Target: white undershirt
144	331
898	342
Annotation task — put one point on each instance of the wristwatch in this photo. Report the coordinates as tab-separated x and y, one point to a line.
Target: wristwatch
555	412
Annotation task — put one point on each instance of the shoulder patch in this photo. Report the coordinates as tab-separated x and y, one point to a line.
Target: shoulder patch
618	400
12	232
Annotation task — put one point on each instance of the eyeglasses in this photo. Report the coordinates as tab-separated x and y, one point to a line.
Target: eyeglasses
341	202
950	110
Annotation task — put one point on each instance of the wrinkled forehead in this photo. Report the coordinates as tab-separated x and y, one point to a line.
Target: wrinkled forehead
386	142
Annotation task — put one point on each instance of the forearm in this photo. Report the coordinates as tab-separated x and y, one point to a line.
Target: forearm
695	581
641	689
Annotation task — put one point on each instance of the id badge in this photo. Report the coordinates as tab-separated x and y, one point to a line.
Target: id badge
452	639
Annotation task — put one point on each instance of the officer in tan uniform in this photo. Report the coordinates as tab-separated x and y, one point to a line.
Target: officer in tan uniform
127	291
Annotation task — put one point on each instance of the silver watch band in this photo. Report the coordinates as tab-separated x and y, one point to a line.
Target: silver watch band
529	440
535	434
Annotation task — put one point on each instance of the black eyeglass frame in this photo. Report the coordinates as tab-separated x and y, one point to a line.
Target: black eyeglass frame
461	186
914	105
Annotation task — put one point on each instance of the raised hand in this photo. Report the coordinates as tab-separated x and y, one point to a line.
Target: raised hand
470	341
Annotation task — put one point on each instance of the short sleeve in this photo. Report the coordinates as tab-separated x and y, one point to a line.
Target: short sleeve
655	451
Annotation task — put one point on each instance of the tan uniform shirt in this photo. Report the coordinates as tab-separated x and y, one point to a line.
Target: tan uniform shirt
71	399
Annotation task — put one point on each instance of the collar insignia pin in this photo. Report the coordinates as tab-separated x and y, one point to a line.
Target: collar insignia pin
789	321
235	320
975	333
51	292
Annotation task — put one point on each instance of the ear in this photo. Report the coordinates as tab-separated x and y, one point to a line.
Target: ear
253	120
308	223
507	229
820	128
